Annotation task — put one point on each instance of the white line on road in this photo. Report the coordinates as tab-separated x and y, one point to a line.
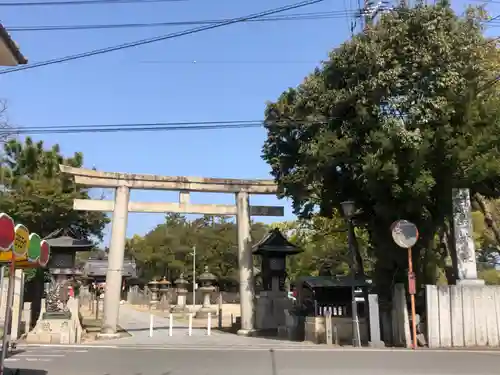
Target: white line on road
39	355
68	346
62	350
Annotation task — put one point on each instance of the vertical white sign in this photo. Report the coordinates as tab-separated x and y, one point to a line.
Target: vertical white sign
464	241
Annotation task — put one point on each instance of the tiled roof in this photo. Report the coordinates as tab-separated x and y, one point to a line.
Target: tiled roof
12	46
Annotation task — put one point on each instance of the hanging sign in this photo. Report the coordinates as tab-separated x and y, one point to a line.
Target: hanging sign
7	232
21	241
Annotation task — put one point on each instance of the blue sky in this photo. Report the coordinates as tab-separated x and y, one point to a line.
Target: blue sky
238	68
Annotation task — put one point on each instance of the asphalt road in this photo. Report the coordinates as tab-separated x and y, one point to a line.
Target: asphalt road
134	361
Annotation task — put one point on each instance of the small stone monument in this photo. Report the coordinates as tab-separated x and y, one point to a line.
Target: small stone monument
207	280
465	256
182	291
60	322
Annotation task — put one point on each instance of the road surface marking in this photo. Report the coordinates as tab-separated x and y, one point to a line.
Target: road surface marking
39	355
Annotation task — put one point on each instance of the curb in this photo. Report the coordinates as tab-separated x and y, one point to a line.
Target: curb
208	347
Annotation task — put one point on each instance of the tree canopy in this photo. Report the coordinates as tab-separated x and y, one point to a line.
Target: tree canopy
167	250
36	194
394	119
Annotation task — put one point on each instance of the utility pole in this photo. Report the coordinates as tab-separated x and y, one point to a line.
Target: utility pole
194	278
371	9
368	20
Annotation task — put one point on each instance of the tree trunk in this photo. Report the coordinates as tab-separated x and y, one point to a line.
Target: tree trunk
488	218
447	251
357	254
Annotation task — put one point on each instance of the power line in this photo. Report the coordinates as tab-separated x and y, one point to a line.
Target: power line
162	37
139	128
183	126
159	126
244	62
290	17
80	2
326	15
129	125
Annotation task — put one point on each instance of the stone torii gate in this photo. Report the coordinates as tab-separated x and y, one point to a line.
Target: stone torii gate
121	206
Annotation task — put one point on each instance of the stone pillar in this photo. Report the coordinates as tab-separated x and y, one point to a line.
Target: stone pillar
17	306
245	264
27	316
374	311
464	243
115	263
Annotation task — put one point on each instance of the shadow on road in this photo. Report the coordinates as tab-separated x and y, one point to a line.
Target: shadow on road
23	371
165	328
14	352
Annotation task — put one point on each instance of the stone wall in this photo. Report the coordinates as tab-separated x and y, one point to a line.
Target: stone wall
18	306
315	330
463	316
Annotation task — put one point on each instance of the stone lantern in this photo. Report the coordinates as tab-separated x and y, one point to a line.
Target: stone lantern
182	291
273	300
207	281
163	287
153	287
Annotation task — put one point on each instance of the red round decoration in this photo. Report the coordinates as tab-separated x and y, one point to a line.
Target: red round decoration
7	232
44	253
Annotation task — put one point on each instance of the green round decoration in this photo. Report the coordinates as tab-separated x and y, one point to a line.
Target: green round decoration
34	248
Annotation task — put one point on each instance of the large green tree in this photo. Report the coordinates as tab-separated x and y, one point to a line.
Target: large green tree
394	119
36	194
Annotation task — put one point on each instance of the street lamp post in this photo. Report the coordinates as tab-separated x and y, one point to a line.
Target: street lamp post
349	209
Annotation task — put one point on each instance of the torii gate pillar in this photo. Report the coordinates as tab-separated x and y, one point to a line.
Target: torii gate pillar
245	264
115	262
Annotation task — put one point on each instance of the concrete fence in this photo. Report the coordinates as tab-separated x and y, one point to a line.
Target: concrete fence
463	316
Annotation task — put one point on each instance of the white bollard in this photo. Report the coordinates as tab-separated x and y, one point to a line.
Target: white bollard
209	323
151	325
170	325
190	325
